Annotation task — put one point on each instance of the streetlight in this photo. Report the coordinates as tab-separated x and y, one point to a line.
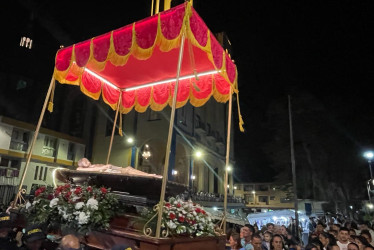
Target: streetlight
254	197
369	157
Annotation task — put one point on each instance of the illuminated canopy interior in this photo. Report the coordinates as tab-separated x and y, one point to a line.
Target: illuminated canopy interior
137	64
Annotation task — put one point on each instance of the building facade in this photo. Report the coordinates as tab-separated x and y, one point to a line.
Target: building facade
259	196
52	149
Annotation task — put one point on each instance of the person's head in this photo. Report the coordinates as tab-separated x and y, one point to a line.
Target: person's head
256	242
270	227
334	233
69	242
311	246
363	225
343	235
317	243
336	227
283	230
267	236
369	247
33	237
320	227
245	233
276	242
353	246
361	241
365	233
234	241
327	239
5	225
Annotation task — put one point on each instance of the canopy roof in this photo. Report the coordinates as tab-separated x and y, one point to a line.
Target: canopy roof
137	64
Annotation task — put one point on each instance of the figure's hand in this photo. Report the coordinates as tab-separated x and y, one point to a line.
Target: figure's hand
19	238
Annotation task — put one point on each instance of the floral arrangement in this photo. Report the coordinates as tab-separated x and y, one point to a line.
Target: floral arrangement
79	208
186	218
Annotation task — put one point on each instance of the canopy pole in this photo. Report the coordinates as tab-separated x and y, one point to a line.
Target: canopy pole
227	161
36	133
171	125
114	128
157	7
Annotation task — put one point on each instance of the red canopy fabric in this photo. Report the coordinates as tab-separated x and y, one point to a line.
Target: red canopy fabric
138	63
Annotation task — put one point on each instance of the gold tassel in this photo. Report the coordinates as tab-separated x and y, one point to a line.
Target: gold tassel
241	122
50	103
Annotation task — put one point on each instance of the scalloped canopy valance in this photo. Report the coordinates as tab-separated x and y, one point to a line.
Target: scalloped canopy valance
138	63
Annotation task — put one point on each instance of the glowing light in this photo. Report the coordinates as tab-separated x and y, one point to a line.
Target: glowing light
369	155
130	140
101	78
193	177
173	80
253	192
370	206
54	176
198	154
228	168
235	187
215	208
174	172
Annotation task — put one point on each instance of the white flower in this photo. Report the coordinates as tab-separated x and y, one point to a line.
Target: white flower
92	203
79	205
53	202
83	218
28	204
171	224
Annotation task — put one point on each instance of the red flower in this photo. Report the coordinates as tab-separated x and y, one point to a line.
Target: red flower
172	216
42	189
181	219
67	195
103	190
179	205
193	222
203	212
89	189
198	210
50	197
37	193
167	205
78	190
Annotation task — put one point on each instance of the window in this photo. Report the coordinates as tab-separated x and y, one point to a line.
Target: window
248	198
41	173
263	199
262	188
45	174
71	151
19	140
285	200
49	148
36	172
248	187
4	162
272	198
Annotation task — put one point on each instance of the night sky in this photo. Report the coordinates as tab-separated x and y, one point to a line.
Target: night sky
320	49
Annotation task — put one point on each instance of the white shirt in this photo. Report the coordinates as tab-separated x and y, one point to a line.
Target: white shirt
342	246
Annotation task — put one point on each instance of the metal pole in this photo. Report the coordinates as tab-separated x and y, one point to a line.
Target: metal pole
293	168
34	140
114	128
171	125
371	171
227	162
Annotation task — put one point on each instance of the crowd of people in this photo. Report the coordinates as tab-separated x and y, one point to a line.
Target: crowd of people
324	234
